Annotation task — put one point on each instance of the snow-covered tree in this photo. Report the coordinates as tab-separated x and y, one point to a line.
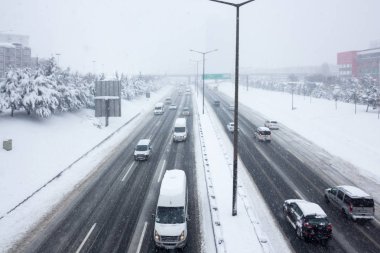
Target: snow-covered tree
11	91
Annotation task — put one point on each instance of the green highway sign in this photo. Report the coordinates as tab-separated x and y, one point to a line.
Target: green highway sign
217	76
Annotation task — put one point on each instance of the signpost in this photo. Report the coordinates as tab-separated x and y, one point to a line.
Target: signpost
107	99
217	76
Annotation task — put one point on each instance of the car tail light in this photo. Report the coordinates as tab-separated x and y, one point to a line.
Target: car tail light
307	225
329	227
350	208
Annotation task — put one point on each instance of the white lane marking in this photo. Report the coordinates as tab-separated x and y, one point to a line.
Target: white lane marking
141	238
162	169
85	239
130	167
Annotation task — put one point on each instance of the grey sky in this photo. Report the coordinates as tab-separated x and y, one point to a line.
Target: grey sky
154	36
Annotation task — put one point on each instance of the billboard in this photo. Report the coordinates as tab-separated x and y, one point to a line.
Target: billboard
107	99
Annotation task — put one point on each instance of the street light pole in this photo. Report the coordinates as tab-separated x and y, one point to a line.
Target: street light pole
203	76
234	183
58	58
197	79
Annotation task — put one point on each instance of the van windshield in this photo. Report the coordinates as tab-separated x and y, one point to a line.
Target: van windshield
141	147
264	132
179	129
170	215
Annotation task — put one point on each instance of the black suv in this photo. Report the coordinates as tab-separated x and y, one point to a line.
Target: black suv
308	219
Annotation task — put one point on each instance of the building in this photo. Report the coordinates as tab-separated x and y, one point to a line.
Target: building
347	65
13	53
359	63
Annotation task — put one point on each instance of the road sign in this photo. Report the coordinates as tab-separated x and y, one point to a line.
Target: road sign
107	99
217	76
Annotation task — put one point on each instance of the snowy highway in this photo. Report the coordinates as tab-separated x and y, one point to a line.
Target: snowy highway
112	210
281	173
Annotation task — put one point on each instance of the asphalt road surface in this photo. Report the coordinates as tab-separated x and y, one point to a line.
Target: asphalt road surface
111	211
280	173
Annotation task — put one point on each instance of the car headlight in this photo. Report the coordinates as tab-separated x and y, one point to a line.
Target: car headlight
182	236
156	235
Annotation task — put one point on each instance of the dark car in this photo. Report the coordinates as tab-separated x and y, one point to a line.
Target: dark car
308	219
216	102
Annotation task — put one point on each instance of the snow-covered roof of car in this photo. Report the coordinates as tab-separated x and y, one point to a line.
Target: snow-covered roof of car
143	142
263	129
354	191
308	208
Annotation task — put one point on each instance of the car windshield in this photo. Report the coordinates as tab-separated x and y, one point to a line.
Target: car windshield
141	147
179	129
157	108
170	215
273	122
264	132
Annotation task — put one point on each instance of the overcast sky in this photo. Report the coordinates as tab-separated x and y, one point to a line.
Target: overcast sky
155	36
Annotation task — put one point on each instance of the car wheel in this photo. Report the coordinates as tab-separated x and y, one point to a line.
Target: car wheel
344	214
327	199
299	233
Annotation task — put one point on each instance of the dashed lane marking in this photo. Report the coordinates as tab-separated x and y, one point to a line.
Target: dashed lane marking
85	239
162	169
141	238
130	167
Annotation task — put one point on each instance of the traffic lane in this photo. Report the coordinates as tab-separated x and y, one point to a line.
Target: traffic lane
311	186
183	157
275	189
71	226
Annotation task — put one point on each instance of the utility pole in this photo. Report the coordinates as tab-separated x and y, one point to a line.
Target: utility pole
203	76
234	182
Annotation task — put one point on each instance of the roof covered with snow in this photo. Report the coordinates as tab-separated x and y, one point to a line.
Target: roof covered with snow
353	191
173	189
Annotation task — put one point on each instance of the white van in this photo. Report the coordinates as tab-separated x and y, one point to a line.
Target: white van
159	109
170	227
263	134
142	150
180	130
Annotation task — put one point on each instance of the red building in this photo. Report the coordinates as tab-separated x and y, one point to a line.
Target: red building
347	64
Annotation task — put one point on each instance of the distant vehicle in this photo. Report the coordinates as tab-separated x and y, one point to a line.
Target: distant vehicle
231	107
231	127
263	134
170	227
271	124
186	111
172	107
159	109
216	102
308	219
353	202
142	150
168	101
180	130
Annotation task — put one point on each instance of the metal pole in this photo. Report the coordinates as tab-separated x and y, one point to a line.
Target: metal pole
197	78
203	85
236	122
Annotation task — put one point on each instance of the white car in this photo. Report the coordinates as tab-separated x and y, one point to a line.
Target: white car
271	124
231	127
172	107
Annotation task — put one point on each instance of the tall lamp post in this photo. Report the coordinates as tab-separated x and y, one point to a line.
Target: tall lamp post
203	76
57	54
197	79
234	183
